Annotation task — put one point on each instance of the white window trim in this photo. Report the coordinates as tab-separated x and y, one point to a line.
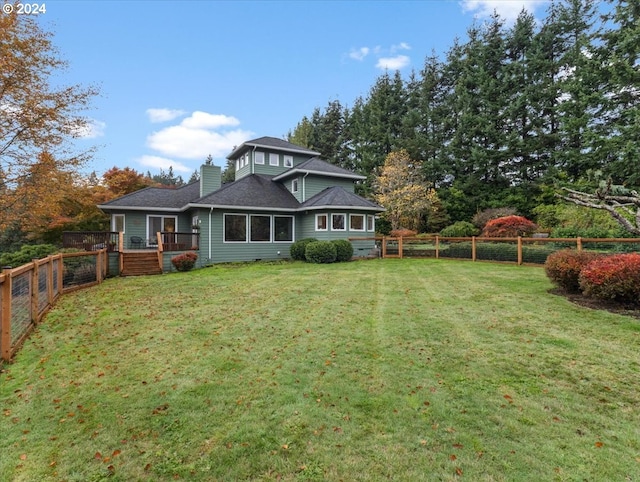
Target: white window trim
326	224
270	240
288	161
293	228
224	228
275	156
372	227
364	222
113	222
294	185
255	157
344	215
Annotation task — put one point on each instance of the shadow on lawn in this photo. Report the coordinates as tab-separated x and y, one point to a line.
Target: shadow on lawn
625	309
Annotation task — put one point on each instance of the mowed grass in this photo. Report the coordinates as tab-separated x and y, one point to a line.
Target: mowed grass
374	370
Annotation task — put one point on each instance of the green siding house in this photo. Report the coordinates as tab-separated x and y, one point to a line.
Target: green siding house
282	192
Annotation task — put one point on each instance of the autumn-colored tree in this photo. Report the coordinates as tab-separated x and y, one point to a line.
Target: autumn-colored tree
35	116
125	181
402	191
509	227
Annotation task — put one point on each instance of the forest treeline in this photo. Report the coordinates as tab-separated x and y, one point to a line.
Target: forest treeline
505	117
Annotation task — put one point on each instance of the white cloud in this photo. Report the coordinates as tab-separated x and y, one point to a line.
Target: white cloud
91	129
164	115
507	9
400	46
359	54
203	120
197	136
163	163
393	63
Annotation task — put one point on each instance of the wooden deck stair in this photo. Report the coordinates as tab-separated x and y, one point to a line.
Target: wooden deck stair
138	263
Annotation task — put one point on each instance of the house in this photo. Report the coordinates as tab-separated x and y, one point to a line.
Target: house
282	192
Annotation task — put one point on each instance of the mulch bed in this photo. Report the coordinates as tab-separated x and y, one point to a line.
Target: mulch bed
626	309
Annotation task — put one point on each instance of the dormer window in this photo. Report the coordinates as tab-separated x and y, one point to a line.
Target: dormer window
288	161
258	157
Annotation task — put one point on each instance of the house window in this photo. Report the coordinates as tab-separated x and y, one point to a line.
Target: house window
164	224
288	161
237	165
260	229
356	222
273	159
235	228
294	185
321	222
259	157
283	228
371	223
337	222
117	223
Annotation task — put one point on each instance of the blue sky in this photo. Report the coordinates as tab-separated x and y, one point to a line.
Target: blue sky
183	79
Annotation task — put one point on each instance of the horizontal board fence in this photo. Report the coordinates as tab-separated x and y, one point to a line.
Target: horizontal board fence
518	250
29	291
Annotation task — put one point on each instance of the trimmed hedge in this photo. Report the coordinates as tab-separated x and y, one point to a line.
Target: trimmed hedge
185	261
321	252
497	252
613	278
344	250
563	267
460	229
298	249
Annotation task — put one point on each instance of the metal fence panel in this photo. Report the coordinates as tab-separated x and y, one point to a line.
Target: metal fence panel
20	306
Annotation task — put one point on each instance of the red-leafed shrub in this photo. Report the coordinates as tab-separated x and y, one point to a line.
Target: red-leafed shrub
185	261
615	278
563	267
509	227
405	233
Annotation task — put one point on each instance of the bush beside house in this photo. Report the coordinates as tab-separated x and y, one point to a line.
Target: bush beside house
185	261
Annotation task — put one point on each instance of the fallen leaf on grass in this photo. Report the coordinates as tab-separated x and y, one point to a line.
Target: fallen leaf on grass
599	444
23	457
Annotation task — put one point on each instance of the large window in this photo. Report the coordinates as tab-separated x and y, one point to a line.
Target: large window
260	229
117	223
259	157
164	224
283	228
356	222
274	159
338	222
321	222
235	228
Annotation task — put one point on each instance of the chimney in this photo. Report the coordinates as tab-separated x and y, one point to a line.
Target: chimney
210	179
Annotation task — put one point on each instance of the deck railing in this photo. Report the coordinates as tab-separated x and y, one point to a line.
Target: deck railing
29	291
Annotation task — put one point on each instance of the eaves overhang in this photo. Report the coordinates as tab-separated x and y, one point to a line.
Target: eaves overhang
248	145
141	208
294	171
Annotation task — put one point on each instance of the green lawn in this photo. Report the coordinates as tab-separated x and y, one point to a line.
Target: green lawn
373	370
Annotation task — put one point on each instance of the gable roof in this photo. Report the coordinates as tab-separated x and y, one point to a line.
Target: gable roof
156	199
255	191
337	197
317	166
271	143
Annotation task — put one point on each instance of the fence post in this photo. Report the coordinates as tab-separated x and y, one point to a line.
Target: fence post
35	291
5	340
384	246
50	293
473	248
519	250
437	246
579	243
400	247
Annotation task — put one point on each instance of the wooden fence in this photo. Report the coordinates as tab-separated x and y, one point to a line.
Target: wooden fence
28	292
518	250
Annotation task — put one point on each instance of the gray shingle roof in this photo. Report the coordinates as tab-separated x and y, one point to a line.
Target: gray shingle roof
272	143
255	190
157	197
316	165
338	197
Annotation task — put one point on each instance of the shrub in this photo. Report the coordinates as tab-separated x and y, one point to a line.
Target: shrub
615	277
321	252
563	267
26	254
185	261
404	233
298	249
481	218
344	250
460	229
509	227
